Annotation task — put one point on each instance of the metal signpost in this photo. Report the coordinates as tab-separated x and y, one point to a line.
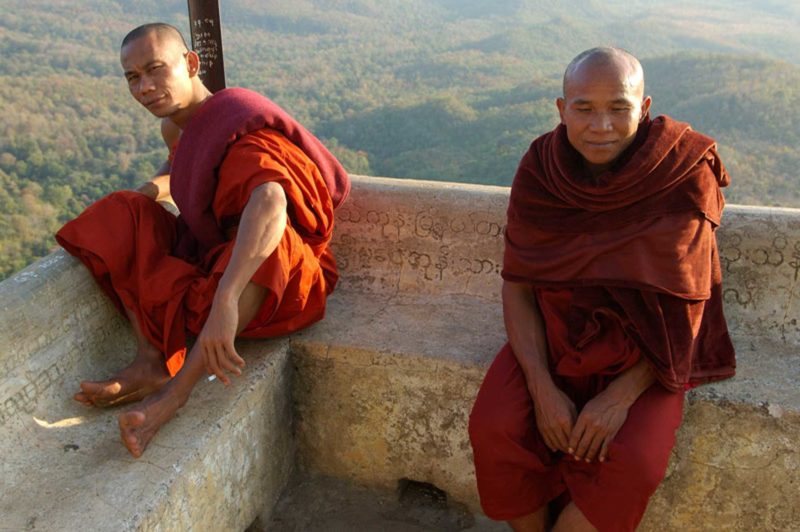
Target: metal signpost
204	24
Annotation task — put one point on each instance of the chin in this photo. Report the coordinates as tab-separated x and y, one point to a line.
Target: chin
162	112
599	161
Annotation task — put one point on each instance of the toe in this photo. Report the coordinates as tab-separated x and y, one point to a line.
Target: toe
83	399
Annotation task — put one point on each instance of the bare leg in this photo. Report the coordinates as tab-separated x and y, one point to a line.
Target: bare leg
572	519
535	522
145	375
140	424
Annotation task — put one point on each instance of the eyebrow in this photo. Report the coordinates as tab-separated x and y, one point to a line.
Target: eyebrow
618	101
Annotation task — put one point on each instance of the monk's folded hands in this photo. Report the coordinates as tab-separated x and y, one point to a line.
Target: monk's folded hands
602	417
216	340
555	416
596	426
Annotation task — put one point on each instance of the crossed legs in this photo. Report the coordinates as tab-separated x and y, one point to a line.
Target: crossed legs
147	380
145	375
139	424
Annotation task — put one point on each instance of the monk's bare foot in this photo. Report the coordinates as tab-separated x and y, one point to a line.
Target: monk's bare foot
144	376
138	426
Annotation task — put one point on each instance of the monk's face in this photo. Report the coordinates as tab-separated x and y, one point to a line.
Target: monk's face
159	72
602	108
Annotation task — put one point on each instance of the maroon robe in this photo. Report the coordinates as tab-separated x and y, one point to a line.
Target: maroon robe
624	267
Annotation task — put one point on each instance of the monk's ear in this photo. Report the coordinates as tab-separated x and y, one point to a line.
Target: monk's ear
645	107
562	105
192	63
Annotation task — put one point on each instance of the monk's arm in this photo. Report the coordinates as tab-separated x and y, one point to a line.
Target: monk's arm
157	188
604	415
555	412
261	228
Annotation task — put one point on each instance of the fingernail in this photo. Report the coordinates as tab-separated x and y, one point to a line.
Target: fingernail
570	450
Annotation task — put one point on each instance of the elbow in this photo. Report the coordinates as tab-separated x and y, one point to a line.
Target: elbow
267	216
271	198
516	291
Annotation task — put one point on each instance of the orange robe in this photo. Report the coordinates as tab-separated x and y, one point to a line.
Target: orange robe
126	241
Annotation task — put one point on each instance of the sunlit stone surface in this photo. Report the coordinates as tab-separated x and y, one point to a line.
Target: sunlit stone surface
381	389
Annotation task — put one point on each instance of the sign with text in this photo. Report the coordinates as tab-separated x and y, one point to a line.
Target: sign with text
206	30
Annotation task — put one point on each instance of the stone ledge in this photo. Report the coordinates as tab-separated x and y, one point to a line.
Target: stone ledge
62	465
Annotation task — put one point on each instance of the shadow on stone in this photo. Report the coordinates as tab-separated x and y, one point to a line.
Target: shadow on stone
319	503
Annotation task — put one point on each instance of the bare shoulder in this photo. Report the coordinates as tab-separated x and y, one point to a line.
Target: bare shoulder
170	132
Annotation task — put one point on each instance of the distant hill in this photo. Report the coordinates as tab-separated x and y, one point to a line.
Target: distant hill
751	106
434	89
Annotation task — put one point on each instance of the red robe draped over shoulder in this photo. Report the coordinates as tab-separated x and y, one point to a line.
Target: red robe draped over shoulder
636	244
128	241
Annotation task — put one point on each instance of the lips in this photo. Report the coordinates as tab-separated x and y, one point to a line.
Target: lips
603	144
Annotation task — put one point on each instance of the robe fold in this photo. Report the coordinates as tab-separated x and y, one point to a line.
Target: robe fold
624	267
128	243
637	241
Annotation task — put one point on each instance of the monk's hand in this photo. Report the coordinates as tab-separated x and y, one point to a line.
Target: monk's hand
555	416
597	425
216	340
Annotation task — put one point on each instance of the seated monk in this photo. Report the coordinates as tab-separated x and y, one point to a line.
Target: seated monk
248	256
612	303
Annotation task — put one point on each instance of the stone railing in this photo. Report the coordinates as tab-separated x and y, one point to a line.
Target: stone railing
380	390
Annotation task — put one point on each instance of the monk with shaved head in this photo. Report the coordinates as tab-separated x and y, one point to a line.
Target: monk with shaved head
248	255
612	302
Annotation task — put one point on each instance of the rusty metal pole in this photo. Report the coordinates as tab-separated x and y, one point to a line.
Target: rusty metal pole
204	24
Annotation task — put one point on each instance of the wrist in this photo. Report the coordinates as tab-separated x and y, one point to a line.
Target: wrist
539	382
625	392
225	296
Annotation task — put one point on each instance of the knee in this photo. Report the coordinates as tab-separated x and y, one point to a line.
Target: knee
126	196
647	469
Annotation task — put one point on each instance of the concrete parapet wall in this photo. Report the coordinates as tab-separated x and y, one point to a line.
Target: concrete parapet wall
381	389
402	236
217	466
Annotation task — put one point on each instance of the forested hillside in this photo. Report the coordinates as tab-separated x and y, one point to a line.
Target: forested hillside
437	89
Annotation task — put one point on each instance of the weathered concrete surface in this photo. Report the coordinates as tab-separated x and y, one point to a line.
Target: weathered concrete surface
734	467
760	256
378	400
226	457
328	504
382	387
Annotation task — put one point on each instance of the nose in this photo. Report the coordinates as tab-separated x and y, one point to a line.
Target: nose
146	84
601	122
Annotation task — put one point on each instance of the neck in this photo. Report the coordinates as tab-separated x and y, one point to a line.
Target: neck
182	116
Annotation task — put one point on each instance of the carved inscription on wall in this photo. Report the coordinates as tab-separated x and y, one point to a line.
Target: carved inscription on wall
383	248
80	317
755	263
38	383
760	260
35	328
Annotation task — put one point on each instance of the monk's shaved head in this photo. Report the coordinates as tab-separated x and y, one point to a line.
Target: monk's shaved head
603	105
162	73
609	59
164	32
